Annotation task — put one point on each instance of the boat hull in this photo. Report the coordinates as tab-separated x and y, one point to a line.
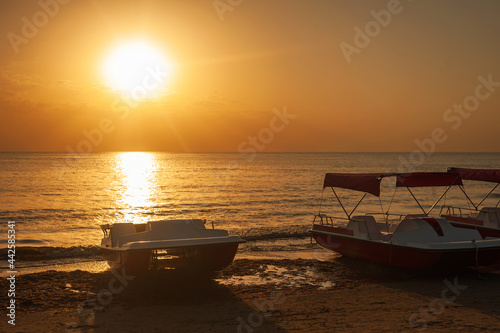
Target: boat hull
193	259
401	256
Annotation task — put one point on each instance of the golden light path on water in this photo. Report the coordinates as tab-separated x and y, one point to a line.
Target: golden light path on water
138	175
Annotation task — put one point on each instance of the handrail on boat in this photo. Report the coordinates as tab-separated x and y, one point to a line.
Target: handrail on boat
450	210
211	221
323	217
398	217
328	220
105	229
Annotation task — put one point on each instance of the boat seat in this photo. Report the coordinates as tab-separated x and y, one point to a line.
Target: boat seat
121	229
184	229
367	224
490	216
197	222
173	229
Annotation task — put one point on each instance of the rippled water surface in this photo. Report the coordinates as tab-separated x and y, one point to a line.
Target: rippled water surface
57	199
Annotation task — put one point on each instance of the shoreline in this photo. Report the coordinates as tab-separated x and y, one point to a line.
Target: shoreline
88	258
260	295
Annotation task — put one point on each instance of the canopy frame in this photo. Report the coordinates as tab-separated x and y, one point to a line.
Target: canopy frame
441	197
400	181
485	175
343	208
416	200
487	195
352	211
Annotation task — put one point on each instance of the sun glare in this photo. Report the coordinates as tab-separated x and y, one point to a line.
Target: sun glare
139	183
136	69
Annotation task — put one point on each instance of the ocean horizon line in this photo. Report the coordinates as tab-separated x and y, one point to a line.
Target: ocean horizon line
244	153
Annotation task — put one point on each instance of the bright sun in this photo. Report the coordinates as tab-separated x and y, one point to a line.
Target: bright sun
136	69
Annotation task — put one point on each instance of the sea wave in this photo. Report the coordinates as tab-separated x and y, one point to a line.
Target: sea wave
258	234
34	253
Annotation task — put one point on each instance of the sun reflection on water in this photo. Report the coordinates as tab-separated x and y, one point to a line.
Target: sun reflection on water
139	184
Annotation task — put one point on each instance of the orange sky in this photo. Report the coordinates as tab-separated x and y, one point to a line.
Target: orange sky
232	65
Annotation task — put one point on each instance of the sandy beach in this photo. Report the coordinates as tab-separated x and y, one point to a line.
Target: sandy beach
259	295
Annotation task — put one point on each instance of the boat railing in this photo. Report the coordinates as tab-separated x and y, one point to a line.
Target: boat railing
105	229
211	221
327	219
390	218
457	211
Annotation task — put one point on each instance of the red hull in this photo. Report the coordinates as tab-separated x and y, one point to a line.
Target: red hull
193	259
400	256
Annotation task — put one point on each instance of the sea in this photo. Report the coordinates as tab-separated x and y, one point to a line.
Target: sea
57	201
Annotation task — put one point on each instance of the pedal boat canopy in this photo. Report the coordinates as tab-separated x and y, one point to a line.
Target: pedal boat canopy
485	175
370	182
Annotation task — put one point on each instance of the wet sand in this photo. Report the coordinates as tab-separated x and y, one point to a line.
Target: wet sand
259	295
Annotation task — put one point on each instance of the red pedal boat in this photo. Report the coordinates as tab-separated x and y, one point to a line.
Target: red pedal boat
413	242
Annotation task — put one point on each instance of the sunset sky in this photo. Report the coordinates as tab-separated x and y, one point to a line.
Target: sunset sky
348	75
